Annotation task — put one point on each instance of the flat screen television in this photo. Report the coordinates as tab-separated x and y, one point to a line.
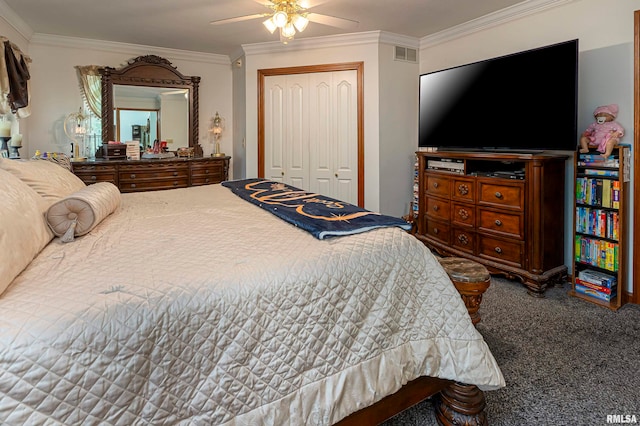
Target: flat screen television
526	101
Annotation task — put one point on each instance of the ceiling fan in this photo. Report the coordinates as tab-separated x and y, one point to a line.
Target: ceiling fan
289	16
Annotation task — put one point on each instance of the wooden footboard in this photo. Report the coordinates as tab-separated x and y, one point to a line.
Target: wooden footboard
454	403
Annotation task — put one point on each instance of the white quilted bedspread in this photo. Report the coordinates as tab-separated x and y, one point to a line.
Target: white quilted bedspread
194	307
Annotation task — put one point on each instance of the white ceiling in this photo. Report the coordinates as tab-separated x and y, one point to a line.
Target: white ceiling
185	24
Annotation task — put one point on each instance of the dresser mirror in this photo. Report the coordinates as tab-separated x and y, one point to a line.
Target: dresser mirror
155	93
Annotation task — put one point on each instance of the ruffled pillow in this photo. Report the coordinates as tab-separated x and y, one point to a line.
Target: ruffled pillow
48	179
80	212
23	230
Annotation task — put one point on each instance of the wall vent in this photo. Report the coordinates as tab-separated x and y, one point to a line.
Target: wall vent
405	54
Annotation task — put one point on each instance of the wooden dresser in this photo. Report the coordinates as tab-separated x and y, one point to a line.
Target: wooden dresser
504	210
150	175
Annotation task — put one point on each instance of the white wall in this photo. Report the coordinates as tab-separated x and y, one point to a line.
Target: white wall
605	32
55	88
398	129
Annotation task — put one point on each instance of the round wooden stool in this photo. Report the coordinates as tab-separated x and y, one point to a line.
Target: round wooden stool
471	280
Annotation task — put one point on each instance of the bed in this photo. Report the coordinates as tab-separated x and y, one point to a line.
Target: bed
193	306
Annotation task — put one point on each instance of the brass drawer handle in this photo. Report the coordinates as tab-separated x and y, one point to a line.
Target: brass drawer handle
498	222
206	172
463	239
498	194
133	185
175	173
94	178
436	208
436	230
463	189
436	185
463	213
498	250
175	183
133	175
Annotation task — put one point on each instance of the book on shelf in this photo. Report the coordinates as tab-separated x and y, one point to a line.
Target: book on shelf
598	192
601	172
598	160
600	288
597	278
597	222
596	252
595	293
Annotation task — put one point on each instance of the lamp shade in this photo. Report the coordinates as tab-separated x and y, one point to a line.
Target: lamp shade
280	18
300	22
288	30
270	25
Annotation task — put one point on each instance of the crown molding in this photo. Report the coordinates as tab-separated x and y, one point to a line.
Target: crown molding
399	40
133	49
340	40
13	19
520	10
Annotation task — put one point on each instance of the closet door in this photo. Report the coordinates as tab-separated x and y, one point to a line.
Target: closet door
296	143
274	127
334	135
286	129
311	132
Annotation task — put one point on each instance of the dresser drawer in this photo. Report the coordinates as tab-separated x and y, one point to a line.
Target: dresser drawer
463	239
501	250
495	194
438	230
90	174
438	208
159	171
510	224
439	186
152	185
463	214
207	173
463	190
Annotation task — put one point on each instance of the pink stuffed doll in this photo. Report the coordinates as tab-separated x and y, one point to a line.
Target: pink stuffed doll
605	133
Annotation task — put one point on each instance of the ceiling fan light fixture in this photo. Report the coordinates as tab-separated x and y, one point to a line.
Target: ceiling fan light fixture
280	18
270	25
284	39
288	30
300	22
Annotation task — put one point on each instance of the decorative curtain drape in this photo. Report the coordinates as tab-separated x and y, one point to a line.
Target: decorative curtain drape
90	87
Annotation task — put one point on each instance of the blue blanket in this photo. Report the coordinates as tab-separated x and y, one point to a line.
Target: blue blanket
322	216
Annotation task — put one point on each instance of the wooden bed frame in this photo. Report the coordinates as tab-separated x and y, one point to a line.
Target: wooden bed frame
454	403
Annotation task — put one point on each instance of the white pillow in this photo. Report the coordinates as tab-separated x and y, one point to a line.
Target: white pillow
48	179
81	211
23	229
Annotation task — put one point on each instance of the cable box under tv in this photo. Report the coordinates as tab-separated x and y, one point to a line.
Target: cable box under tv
517	174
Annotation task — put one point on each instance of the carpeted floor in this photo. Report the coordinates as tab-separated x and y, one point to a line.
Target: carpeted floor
565	361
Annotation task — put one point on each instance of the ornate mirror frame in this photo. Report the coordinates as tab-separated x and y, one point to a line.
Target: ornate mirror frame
150	71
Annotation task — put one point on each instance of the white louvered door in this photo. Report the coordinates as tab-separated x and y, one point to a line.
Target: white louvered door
311	130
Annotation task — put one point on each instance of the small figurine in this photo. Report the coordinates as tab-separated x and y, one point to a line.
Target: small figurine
605	133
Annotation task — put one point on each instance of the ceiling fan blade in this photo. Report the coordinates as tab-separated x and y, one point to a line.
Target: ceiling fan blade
238	19
333	21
